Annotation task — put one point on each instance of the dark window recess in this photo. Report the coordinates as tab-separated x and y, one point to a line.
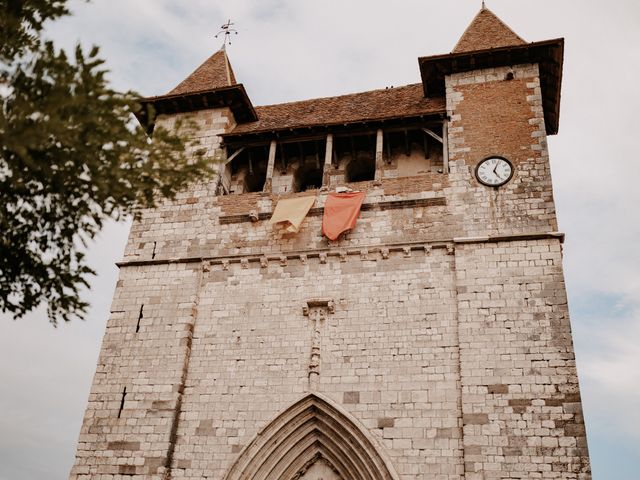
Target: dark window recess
249	168
255	182
358	155
308	177
140	316
360	170
124	394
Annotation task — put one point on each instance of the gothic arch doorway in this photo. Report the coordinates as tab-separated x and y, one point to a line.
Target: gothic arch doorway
313	439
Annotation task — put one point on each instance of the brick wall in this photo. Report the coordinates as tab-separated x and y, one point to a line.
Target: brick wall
493	116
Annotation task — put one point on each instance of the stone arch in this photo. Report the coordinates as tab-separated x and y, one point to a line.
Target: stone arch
312	429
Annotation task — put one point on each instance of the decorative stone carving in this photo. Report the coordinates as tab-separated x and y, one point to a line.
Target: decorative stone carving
317	311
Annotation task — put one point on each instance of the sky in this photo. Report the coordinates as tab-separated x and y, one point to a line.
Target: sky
289	50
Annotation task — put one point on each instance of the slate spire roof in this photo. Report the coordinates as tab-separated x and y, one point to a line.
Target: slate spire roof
487	31
215	72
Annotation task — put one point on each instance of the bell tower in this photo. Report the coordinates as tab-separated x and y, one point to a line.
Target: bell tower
371	289
521	412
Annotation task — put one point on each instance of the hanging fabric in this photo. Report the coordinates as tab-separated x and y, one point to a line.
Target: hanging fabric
292	212
341	210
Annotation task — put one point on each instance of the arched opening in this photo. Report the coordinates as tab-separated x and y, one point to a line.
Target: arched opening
312	439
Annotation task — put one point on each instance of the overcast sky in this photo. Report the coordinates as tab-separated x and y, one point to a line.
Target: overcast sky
291	50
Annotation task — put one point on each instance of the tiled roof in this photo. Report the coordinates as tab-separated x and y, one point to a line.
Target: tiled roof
381	104
487	31
215	72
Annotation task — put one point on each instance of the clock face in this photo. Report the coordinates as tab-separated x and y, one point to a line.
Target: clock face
494	171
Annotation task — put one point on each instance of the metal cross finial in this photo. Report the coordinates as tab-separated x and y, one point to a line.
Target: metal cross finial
483	5
226	30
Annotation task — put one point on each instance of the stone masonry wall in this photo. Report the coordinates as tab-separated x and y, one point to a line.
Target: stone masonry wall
521	407
388	354
448	338
144	351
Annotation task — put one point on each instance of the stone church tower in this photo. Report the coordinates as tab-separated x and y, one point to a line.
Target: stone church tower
429	341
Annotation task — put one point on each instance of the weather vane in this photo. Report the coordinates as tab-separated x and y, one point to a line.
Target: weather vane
226	30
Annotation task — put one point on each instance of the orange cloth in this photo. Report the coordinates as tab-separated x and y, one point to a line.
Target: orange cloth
292	211
341	211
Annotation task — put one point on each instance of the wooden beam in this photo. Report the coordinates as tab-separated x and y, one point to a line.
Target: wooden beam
379	157
283	158
433	134
270	164
328	159
234	155
387	144
445	146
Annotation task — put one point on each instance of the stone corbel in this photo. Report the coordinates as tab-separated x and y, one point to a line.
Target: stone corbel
321	303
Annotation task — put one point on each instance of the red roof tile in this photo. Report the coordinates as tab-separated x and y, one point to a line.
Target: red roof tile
487	31
381	104
215	72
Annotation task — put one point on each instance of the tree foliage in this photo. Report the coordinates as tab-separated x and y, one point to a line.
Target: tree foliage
71	157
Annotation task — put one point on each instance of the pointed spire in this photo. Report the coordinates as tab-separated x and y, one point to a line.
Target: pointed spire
487	31
215	72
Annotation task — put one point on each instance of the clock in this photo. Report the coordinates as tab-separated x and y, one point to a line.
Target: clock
494	171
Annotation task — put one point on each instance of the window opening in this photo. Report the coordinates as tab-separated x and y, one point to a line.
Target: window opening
361	164
140	315
249	170
308	177
124	394
302	166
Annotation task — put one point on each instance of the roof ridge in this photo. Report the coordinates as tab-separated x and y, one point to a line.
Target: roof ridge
341	96
474	24
214	72
504	24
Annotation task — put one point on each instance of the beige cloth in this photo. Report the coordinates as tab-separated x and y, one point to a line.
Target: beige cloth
292	211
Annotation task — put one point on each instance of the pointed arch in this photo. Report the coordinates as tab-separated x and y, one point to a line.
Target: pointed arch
312	429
